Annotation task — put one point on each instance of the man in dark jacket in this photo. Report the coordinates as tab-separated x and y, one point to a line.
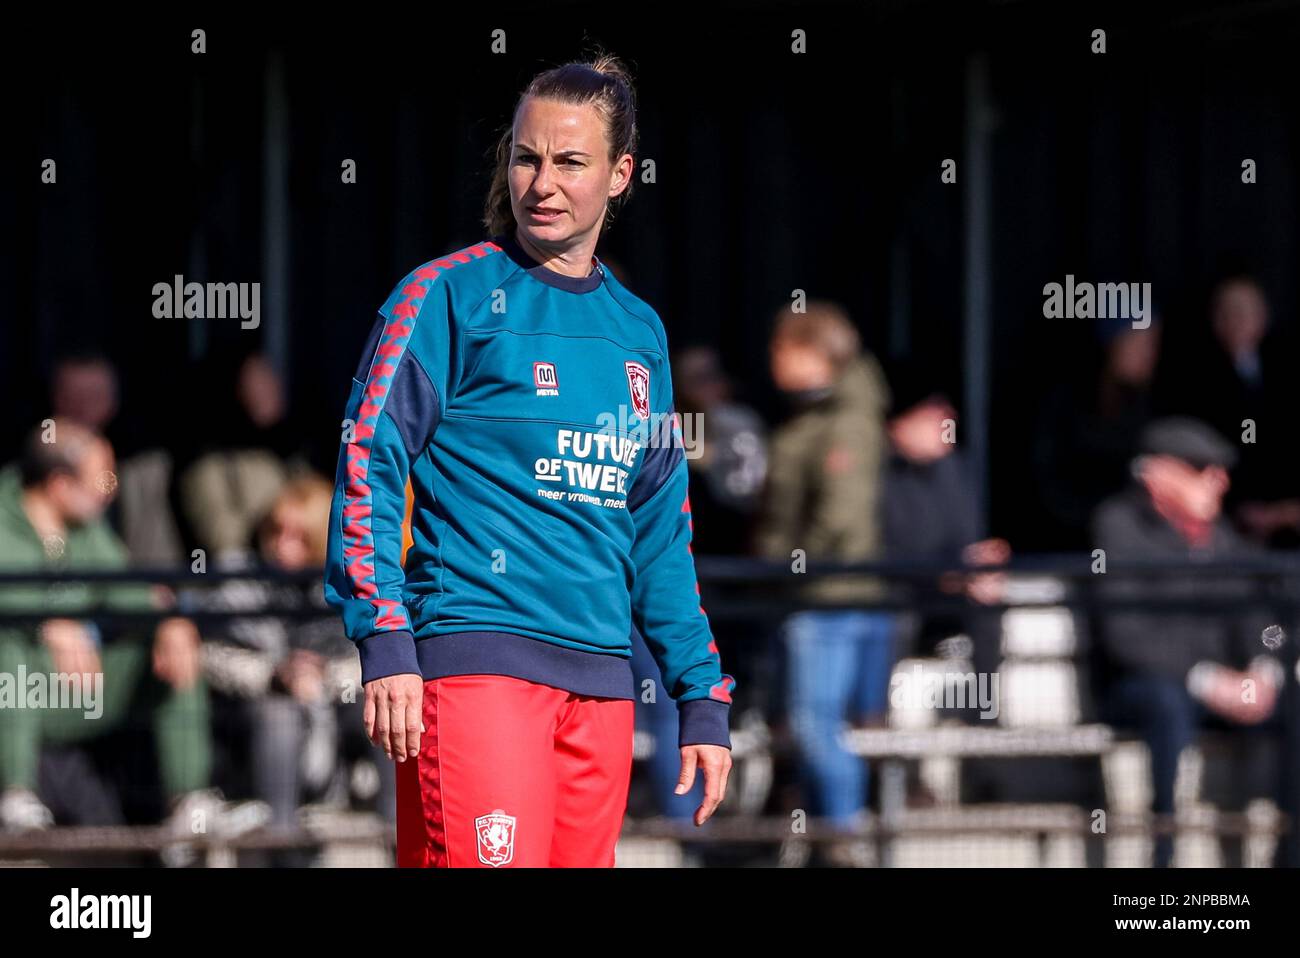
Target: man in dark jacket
930	512
1165	673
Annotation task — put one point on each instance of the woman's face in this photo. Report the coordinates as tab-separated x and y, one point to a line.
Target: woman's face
561	176
797	367
286	538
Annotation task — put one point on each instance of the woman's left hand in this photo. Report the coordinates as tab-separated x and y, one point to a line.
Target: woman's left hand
715	761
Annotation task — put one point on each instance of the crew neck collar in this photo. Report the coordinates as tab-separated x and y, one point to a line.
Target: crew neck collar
544	274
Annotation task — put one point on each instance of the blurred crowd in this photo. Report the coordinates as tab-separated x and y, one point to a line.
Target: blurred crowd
242	721
1148	454
225	727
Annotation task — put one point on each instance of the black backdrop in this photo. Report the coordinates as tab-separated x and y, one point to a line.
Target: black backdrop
775	171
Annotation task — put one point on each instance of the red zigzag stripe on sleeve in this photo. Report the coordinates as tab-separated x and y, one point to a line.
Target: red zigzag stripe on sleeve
358	532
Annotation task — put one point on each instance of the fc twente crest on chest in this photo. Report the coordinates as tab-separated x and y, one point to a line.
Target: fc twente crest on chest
638	384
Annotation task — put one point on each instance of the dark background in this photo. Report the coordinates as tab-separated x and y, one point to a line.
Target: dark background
775	171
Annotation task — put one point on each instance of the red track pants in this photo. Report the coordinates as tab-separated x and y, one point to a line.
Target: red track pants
514	773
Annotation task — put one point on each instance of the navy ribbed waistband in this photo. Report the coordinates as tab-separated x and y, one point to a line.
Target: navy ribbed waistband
505	653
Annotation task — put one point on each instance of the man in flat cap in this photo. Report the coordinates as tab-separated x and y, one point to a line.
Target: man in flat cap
1168	673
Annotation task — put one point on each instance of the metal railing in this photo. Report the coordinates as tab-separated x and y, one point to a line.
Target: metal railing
744	589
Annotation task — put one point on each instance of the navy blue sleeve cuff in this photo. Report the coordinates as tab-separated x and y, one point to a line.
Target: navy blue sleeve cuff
703	722
387	653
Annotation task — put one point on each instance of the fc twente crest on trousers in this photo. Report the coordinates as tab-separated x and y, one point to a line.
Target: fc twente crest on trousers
496	838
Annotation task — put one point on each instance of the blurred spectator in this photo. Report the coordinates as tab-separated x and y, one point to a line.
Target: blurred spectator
1244	376
729	458
51	507
930	512
1166	674
229	488
291	688
1088	429
822	498
84	390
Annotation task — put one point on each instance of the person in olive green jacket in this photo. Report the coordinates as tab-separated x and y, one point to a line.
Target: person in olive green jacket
51	519
821	504
824	470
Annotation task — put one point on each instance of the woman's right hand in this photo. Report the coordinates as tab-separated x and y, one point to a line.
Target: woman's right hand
393	714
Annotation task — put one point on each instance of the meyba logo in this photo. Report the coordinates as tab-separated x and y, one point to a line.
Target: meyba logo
545	380
182	300
75	911
1098	301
